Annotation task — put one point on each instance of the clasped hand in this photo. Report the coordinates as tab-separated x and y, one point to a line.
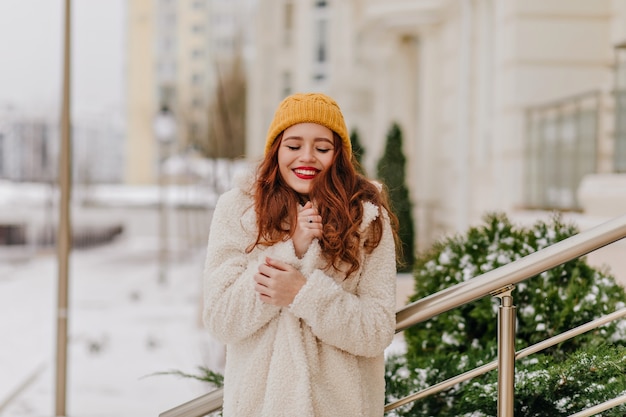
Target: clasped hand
308	227
278	283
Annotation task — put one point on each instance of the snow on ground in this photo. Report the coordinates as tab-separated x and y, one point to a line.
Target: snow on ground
123	327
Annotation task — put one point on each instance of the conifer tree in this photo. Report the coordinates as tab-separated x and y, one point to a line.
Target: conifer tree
358	151
391	171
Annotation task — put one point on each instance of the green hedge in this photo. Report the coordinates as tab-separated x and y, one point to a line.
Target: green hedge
390	170
591	366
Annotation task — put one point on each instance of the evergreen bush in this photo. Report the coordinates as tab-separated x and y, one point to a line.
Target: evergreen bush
559	381
358	151
391	172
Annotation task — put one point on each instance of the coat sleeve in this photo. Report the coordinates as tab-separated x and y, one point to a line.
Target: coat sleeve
363	323
232	308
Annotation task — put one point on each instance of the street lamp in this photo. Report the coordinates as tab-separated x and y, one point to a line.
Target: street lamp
165	133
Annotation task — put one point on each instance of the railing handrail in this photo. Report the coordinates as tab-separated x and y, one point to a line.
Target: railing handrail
527	351
199	406
453	297
511	273
601	407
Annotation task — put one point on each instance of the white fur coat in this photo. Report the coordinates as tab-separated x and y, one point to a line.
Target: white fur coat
320	357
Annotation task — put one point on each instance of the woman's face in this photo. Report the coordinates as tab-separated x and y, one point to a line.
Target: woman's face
305	150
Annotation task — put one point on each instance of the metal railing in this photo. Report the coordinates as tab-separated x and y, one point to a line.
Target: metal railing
498	282
198	407
449	383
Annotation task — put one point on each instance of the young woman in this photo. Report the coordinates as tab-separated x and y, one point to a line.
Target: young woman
300	275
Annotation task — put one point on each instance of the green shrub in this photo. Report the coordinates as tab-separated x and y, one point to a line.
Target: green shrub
548	304
358	151
391	172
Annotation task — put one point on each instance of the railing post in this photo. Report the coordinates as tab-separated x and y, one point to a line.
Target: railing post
506	351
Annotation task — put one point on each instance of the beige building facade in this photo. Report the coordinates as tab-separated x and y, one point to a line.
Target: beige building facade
141	151
505	105
173	50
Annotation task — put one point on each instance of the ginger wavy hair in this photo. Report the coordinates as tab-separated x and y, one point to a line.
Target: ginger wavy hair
338	192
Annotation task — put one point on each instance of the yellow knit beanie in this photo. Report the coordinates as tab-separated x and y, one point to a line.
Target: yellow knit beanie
308	108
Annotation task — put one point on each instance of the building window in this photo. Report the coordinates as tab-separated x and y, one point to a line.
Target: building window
321	3
561	146
320	41
196	78
288	23
320	59
619	157
167	43
168	19
166	70
1	154
194	129
286	83
44	150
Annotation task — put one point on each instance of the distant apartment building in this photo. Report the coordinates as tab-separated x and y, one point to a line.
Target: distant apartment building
298	46
175	52
98	149
504	105
26	149
29	149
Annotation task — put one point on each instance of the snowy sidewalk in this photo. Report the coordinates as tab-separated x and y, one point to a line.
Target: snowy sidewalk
123	326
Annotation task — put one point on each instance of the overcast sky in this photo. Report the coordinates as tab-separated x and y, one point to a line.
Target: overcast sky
31	38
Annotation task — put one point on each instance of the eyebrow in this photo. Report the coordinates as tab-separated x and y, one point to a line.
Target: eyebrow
318	139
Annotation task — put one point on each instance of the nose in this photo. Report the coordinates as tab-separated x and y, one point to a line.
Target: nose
308	153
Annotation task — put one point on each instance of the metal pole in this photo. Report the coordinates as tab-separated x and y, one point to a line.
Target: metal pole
506	352
537	347
64	229
163	243
164	132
